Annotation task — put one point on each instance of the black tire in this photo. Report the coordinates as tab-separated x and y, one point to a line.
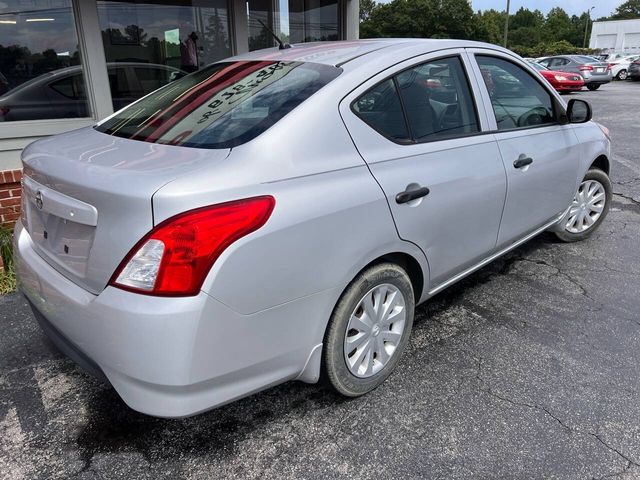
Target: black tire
593	87
600	176
335	366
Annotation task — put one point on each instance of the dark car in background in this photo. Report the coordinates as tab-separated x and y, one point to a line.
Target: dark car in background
634	70
594	72
62	94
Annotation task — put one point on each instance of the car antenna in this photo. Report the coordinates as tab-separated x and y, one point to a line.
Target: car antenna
281	44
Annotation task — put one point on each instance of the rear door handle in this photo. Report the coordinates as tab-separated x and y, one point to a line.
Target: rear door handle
522	161
408	195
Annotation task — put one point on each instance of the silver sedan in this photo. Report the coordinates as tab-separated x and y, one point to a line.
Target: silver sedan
278	215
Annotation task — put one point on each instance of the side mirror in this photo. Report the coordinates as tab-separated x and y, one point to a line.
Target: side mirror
579	111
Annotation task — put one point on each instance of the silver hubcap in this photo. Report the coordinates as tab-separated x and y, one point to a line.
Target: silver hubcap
587	206
374	330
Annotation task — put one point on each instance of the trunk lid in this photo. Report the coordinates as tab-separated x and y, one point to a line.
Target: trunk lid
88	197
599	68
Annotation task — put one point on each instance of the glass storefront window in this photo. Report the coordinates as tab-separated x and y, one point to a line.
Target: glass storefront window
294	21
41	76
260	11
150	43
313	20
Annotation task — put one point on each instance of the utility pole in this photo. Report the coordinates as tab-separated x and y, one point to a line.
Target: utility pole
586	27
506	25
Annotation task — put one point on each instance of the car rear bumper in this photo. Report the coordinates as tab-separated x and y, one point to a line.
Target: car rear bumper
598	80
167	357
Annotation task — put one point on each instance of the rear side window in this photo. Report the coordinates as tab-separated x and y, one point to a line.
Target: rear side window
71	87
428	102
437	100
517	98
381	109
221	106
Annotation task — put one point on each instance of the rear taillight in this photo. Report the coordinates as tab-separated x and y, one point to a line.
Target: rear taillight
610	66
585	68
175	257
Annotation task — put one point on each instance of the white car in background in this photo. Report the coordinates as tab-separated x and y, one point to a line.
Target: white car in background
620	67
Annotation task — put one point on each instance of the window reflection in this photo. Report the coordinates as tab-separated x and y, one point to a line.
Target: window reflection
150	43
294	21
313	20
40	72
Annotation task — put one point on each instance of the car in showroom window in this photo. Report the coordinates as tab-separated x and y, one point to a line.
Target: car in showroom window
270	218
37	41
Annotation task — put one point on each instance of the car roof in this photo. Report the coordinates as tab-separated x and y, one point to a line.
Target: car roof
338	53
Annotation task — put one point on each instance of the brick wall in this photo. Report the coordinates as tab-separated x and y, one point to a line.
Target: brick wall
10	197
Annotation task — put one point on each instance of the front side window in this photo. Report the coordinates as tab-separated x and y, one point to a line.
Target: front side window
40	67
517	98
220	106
437	100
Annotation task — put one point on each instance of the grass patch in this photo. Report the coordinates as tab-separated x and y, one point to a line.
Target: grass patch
8	275
7	281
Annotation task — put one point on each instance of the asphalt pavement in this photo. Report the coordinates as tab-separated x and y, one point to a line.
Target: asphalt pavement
527	369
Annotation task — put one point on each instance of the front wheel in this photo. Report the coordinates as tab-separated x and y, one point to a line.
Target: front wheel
593	87
369	329
589	207
622	75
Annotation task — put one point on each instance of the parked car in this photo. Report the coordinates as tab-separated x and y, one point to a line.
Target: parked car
61	93
594	73
281	213
563	82
611	57
634	70
620	67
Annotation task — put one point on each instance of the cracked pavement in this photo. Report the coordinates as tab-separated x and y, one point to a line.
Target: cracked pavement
526	369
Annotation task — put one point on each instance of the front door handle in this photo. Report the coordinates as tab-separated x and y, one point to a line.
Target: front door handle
522	161
408	195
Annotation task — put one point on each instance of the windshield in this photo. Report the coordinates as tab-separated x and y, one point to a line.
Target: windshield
222	106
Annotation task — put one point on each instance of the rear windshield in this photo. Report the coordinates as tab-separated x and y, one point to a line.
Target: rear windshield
221	106
586	59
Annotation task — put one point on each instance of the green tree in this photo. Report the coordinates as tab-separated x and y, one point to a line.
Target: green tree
557	26
419	18
489	26
366	7
628	10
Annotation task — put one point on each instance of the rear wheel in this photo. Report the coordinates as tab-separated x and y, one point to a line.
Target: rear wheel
593	87
622	75
369	329
589	207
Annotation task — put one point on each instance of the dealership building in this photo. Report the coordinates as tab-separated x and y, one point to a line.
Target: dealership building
616	36
66	63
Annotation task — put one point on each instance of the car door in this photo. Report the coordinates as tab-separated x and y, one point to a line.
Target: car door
421	133
538	149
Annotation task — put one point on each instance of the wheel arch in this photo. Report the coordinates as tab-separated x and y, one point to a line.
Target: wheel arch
601	163
418	275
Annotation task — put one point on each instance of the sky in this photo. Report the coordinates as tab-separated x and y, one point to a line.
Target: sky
572	7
